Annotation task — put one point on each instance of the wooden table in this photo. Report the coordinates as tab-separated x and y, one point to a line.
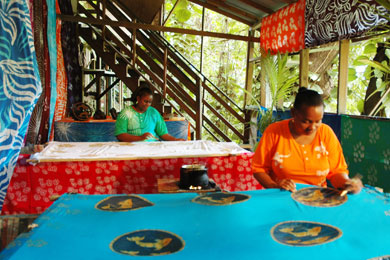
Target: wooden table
172	186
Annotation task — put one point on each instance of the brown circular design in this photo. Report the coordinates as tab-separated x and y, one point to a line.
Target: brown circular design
304	233
319	197
148	242
81	111
220	198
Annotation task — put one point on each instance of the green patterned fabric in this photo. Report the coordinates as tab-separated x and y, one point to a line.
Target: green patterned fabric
366	146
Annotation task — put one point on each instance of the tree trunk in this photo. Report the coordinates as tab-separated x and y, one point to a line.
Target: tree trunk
372	99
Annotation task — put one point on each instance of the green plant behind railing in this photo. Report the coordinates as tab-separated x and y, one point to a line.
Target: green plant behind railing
280	81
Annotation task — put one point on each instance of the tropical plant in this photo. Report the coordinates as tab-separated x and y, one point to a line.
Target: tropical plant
280	82
381	69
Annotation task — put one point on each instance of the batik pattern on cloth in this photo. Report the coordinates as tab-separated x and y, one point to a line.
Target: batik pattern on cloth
35	119
59	112
366	148
69	40
333	20
20	84
44	123
283	31
32	186
52	47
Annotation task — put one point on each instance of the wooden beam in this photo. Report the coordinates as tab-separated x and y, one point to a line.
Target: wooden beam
304	68
235	10
257	6
170	12
71	18
288	1
212	7
343	77
256	26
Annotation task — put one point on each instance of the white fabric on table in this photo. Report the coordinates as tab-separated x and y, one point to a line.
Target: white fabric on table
88	151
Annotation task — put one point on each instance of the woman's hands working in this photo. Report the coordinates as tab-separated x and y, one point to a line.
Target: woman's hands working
267	182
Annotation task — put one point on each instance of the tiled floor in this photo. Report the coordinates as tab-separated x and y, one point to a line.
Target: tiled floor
13	225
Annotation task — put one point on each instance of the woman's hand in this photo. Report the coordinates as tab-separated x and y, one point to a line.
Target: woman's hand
148	135
353	185
287	184
342	182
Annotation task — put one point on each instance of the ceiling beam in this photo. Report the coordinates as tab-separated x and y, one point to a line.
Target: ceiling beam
214	8
235	10
173	8
143	26
257	6
288	1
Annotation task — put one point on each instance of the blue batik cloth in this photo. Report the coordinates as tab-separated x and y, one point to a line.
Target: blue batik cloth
72	228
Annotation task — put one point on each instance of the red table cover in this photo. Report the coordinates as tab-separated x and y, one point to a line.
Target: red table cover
32	186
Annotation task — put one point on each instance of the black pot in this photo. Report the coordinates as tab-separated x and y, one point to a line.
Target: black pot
193	175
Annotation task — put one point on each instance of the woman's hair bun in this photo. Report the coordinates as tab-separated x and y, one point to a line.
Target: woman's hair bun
302	89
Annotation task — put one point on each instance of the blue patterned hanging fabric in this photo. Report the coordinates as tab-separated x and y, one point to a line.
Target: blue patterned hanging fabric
51	40
20	84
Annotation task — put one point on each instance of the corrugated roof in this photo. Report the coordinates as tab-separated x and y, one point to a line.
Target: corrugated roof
249	12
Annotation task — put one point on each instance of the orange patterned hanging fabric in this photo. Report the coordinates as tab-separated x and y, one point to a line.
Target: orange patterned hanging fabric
284	30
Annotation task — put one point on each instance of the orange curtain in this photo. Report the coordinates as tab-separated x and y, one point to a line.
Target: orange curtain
61	79
284	30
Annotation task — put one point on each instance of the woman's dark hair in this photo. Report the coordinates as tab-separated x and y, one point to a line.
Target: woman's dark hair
307	97
140	92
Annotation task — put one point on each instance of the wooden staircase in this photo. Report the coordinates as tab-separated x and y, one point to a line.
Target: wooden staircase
135	55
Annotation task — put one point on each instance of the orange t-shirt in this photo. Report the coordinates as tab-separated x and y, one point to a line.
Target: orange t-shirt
279	155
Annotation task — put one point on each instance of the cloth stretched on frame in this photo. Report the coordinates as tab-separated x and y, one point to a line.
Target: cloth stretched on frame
88	151
73	228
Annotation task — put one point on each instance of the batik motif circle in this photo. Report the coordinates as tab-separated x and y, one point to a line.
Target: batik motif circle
220	198
123	203
304	233
385	257
319	197
147	243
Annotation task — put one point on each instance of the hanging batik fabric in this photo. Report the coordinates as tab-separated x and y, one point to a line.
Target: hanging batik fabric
44	124
70	45
283	31
52	47
20	84
37	24
333	20
59	112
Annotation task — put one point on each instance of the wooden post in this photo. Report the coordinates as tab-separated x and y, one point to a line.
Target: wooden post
104	26
249	69
199	112
304	68
343	77
134	46
165	76
263	87
98	90
201	44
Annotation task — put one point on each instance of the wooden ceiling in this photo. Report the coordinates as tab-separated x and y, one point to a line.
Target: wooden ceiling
249	12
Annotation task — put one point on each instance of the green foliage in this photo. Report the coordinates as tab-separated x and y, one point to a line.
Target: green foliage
280	81
183	15
224	61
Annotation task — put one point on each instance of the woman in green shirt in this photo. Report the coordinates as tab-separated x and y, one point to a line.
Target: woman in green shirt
141	122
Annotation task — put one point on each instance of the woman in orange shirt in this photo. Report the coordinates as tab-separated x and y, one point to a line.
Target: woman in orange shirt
302	150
